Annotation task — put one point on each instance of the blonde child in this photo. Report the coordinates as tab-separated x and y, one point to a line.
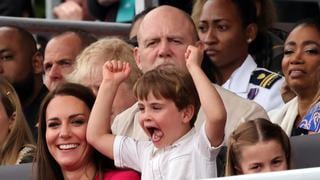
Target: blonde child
258	146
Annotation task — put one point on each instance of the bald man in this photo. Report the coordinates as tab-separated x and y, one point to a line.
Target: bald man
60	55
163	37
21	65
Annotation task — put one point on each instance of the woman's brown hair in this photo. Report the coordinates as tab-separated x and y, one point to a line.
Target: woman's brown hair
20	135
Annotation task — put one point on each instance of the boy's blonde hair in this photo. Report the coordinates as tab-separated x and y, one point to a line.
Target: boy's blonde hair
108	49
169	83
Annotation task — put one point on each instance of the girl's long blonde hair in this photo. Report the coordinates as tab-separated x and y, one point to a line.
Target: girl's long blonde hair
250	133
20	135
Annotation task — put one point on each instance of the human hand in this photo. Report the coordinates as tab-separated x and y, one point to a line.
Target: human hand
116	71
194	56
69	10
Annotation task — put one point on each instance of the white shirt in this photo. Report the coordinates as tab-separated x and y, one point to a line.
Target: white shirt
127	122
257	84
286	115
190	157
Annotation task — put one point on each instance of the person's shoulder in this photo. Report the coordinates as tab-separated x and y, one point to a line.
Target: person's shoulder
230	97
26	154
125	117
121	174
278	113
265	78
248	107
131	111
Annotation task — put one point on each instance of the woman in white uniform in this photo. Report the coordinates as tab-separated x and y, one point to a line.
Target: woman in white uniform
227	27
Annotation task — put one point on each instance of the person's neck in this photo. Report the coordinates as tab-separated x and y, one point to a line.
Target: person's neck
227	70
183	131
83	173
304	103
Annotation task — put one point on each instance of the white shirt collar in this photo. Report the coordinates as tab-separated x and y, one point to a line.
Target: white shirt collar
239	79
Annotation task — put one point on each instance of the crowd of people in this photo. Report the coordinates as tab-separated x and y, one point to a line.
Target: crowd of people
163	104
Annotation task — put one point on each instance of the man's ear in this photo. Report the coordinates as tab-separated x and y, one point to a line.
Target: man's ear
37	63
251	32
187	113
136	54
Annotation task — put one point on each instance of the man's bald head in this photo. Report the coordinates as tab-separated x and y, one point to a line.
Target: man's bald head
163	37
24	38
166	13
21	64
85	38
60	55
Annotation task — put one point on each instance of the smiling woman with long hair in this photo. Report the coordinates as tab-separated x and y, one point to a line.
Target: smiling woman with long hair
63	151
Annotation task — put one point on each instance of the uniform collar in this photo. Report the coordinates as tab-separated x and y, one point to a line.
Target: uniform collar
239	79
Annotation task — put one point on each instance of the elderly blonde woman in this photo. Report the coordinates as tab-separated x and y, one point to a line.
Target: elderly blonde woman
15	135
88	69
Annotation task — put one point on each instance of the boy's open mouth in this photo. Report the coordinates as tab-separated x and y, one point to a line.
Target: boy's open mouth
155	134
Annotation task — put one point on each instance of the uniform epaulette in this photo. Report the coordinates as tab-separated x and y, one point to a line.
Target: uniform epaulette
264	78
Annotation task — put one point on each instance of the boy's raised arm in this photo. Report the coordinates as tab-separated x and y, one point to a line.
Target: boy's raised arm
98	130
210	99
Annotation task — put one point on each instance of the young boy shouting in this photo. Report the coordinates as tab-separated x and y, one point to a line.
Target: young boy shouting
168	101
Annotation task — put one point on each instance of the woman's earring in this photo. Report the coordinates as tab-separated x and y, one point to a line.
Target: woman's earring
249	40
